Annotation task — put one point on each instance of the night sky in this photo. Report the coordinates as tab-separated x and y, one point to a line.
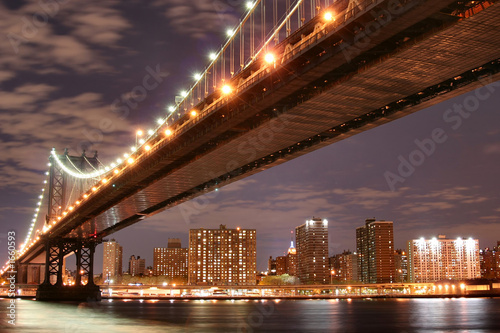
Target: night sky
66	81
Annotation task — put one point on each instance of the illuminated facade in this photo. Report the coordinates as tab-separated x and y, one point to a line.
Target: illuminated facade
490	262
312	252
222	256
291	260
443	259
171	261
375	248
136	266
344	267
112	260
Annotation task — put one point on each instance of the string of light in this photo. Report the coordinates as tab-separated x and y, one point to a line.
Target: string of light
104	174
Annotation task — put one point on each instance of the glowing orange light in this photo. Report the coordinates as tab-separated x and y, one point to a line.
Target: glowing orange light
94	188
116	171
78	202
104	180
193	113
168	132
329	16
139	132
71	208
269	58
147	147
226	89
130	160
85	196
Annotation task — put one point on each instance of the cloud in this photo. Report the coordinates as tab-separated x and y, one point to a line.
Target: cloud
211	17
493	148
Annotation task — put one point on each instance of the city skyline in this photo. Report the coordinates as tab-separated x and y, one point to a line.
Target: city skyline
454	188
157	250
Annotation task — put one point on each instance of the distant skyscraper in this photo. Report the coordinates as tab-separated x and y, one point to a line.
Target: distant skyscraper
375	248
291	260
136	266
112	259
222	256
171	261
312	251
443	259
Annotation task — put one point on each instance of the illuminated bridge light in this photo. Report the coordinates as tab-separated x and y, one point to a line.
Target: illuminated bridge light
269	58
130	160
151	132
193	113
226	89
104	180
116	171
168	132
94	188
212	56
139	132
184	93
329	16
197	76
147	148
171	108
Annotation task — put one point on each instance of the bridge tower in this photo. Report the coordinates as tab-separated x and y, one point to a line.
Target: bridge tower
62	188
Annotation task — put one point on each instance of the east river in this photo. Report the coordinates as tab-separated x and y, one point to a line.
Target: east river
357	315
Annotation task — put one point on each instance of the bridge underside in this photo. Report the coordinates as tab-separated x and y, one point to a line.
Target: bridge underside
321	95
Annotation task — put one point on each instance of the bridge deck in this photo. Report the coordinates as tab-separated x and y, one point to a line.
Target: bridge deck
282	112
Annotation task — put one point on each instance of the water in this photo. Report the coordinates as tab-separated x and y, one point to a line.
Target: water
394	315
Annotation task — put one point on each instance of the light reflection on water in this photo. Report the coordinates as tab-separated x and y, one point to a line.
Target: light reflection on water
369	315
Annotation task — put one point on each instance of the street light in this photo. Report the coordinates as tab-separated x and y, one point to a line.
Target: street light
332	273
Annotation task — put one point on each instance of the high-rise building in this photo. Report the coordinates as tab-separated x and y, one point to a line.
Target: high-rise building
490	262
222	256
281	267
344	267
171	261
312	251
291	260
375	248
112	260
443	259
400	266
136	266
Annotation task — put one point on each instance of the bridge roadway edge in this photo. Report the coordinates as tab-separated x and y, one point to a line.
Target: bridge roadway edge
232	175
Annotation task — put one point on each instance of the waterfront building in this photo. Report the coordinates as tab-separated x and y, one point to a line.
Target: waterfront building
222	256
375	248
171	261
112	260
400	266
136	266
490	262
441	258
344	267
312	251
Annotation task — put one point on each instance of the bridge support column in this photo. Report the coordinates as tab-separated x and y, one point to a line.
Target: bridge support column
53	288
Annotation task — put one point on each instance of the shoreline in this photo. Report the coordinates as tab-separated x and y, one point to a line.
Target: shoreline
280	298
